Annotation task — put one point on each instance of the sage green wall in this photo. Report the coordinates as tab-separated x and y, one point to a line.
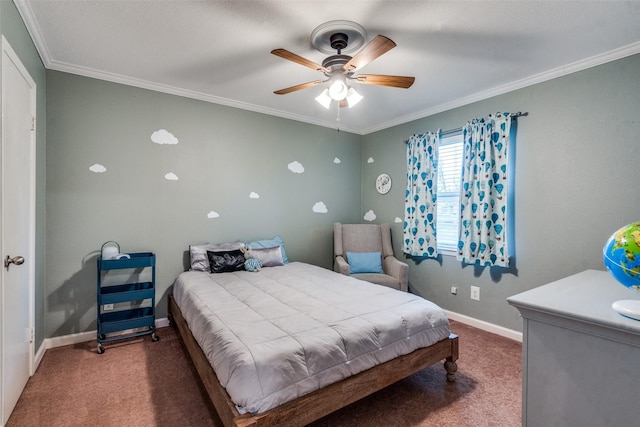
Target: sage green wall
575	154
13	29
575	173
222	155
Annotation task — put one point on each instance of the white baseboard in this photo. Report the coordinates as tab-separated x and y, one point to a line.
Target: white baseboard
160	323
38	356
485	326
69	339
80	338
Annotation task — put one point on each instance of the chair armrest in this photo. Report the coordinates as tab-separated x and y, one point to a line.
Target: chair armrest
341	265
398	269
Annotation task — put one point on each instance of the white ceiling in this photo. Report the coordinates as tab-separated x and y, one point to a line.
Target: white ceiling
219	51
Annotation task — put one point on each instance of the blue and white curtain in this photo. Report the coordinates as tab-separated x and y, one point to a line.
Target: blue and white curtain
483	192
420	198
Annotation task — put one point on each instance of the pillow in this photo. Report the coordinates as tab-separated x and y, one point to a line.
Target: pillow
198	253
226	261
269	257
365	262
270	243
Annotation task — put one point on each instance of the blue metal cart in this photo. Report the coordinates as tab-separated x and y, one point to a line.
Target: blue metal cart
137	317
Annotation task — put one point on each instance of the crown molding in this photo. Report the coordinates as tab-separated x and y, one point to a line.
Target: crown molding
186	93
574	67
27	15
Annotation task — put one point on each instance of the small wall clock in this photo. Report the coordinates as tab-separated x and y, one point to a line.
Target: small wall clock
383	183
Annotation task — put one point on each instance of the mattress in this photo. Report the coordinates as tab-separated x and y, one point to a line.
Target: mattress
280	333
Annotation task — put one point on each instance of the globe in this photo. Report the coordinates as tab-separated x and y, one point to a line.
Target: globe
621	255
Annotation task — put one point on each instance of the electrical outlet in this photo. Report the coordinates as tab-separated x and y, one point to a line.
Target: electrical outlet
475	293
454	290
107	307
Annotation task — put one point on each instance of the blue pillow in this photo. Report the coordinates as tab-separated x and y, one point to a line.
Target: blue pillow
365	262
270	243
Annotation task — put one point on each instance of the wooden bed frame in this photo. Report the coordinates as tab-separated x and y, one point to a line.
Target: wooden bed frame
319	403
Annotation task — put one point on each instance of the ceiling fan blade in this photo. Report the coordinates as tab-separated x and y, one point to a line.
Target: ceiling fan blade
297	87
377	47
285	54
381	80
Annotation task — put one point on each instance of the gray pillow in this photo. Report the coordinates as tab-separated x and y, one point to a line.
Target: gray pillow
269	257
198	253
270	243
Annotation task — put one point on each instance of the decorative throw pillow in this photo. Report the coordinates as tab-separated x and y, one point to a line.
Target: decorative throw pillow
226	261
198	253
269	257
365	262
252	264
270	243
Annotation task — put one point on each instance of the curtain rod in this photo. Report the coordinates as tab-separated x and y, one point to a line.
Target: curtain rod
456	130
512	116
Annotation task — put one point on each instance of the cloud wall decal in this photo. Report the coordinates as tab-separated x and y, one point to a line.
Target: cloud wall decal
320	207
397	220
337	161
254	195
171	176
213	214
163	136
370	160
97	168
296	167
370	216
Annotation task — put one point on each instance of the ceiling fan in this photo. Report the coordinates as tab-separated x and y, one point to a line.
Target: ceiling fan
340	69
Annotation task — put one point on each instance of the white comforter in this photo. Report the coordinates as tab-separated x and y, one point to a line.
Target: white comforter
277	334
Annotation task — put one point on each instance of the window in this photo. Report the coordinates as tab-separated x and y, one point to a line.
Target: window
448	207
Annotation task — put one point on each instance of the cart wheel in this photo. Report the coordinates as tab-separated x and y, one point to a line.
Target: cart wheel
154	337
100	349
102	336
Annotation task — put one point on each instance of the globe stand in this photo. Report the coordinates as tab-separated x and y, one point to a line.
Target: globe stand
628	308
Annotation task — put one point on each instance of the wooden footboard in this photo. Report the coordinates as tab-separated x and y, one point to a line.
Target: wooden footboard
317	404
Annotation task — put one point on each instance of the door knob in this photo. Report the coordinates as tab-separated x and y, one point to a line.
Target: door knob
17	260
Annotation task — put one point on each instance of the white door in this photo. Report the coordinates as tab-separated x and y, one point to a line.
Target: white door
17	228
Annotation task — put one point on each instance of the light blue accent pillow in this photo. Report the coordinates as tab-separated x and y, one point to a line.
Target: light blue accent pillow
270	243
365	262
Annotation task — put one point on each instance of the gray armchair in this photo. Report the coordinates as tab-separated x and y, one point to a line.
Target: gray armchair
369	238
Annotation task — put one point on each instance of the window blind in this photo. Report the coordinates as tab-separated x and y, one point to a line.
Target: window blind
449	175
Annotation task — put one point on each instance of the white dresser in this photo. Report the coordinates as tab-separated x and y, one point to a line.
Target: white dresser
581	359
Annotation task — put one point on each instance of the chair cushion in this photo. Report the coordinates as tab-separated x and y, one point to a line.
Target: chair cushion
365	262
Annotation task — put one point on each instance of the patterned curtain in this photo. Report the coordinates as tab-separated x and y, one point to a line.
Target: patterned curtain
483	193
421	195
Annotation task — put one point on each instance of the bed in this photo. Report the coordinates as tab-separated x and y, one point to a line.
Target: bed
289	344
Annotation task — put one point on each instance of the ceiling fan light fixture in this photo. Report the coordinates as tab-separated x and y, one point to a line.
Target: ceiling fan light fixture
338	89
324	99
353	97
341	68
